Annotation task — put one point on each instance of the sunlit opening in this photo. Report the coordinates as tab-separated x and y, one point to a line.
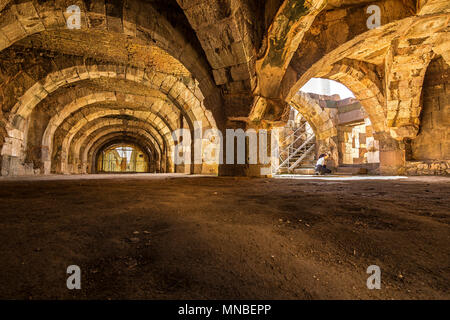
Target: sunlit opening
327	87
123	158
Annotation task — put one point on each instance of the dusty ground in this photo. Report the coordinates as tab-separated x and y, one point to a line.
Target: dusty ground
167	237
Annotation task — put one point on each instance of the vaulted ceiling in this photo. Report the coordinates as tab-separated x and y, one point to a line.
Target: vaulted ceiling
222	62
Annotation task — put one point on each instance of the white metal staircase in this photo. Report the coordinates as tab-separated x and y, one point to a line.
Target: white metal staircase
298	151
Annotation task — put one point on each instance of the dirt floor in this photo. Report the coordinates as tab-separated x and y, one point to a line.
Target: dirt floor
179	237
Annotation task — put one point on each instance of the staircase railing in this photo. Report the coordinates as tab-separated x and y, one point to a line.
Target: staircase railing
306	153
303	150
293	154
293	133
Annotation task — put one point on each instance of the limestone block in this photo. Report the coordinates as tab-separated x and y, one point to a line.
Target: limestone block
129	22
158	79
220	76
28	17
177	89
400	133
97	20
52	18
4	42
132	74
187	97
240	72
11	27
93	71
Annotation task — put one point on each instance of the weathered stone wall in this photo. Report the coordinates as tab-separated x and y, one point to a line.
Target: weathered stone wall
428	168
229	64
2	138
433	140
354	142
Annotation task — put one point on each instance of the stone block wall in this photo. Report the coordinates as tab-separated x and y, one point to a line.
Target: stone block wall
428	168
433	140
355	134
353	144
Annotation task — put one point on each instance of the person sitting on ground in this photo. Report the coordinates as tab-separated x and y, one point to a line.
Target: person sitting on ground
321	168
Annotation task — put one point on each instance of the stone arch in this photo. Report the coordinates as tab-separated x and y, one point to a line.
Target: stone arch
406	64
95	143
71	147
362	80
153	164
118	131
47	141
27	18
90	119
317	117
122	125
188	100
151	115
161	141
176	91
320	121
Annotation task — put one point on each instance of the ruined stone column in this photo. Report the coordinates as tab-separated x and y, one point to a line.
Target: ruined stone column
231	169
264	157
392	154
12	154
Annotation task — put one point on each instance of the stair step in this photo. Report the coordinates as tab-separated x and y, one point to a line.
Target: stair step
283	170
350	171
307	171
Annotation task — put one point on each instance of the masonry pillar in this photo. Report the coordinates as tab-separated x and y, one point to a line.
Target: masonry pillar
12	156
266	160
234	168
392	155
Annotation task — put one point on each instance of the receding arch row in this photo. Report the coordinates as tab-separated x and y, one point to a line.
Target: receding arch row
92	119
102	127
105	133
71	160
182	97
146	163
71	140
25	19
81	111
113	135
176	91
160	142
108	108
81	117
155	164
160	123
118	139
158	161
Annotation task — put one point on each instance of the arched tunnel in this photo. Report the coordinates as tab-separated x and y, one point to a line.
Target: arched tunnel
190	149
